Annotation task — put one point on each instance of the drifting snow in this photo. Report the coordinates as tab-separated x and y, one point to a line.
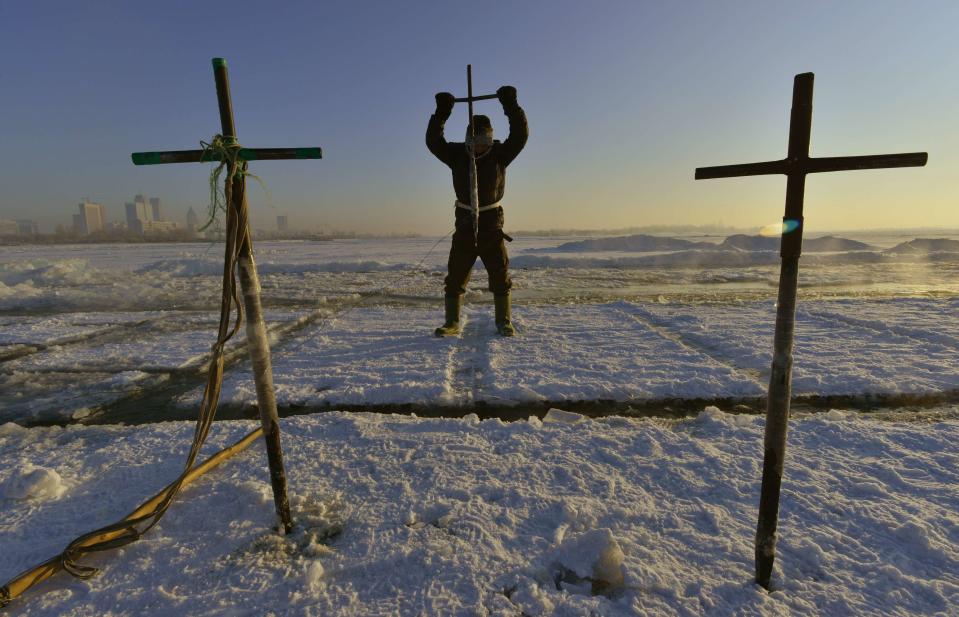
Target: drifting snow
450	517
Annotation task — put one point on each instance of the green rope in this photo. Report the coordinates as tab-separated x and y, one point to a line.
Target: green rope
226	150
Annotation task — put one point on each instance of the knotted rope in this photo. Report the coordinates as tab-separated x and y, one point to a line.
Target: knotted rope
226	150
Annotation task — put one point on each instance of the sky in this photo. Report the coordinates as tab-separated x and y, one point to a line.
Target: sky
624	100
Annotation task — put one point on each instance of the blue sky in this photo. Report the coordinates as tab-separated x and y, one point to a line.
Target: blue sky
624	100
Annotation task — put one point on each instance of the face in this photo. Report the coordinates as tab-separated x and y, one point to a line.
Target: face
482	143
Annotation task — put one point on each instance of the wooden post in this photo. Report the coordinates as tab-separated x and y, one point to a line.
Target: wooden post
780	378
795	166
257	341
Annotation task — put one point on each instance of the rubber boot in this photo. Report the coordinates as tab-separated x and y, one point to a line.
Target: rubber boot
452	325
503	324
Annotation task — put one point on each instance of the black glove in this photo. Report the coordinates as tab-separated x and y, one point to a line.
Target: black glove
444	104
507	96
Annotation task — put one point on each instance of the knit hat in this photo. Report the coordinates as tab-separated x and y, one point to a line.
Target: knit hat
481	127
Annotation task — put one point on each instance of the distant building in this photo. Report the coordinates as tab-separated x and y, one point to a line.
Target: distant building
144	206
282	223
192	222
146	216
135	217
8	228
138	214
148	227
155	209
26	227
91	219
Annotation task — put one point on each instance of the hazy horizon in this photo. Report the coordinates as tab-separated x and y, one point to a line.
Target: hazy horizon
623	104
716	229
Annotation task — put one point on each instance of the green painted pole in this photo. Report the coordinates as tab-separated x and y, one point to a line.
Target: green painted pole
207	156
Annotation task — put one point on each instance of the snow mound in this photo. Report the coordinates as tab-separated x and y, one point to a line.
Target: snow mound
47	272
836	415
926	245
591	562
832	244
20	291
639	243
10	428
713	416
643	243
314	576
31	482
743	242
707	258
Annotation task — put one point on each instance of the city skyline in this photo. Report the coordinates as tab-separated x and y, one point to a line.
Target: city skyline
619	118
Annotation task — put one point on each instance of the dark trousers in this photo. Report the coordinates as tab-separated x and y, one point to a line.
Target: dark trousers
492	250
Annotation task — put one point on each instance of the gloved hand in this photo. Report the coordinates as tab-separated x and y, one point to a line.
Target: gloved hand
507	96
444	104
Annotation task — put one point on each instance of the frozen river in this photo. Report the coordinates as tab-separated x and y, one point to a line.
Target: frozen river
87	331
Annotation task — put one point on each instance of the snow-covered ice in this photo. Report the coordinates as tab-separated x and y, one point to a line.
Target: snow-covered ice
574	352
351	323
414	516
832	355
561	516
620	351
42	397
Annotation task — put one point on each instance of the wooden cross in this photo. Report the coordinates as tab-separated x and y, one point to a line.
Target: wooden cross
795	166
257	342
474	187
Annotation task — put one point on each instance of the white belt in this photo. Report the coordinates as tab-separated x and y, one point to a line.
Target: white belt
460	204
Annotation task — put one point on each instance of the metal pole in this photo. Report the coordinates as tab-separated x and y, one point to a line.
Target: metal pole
780	379
474	186
257	342
479	97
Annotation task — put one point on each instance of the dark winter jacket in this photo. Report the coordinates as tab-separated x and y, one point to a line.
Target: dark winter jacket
490	168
